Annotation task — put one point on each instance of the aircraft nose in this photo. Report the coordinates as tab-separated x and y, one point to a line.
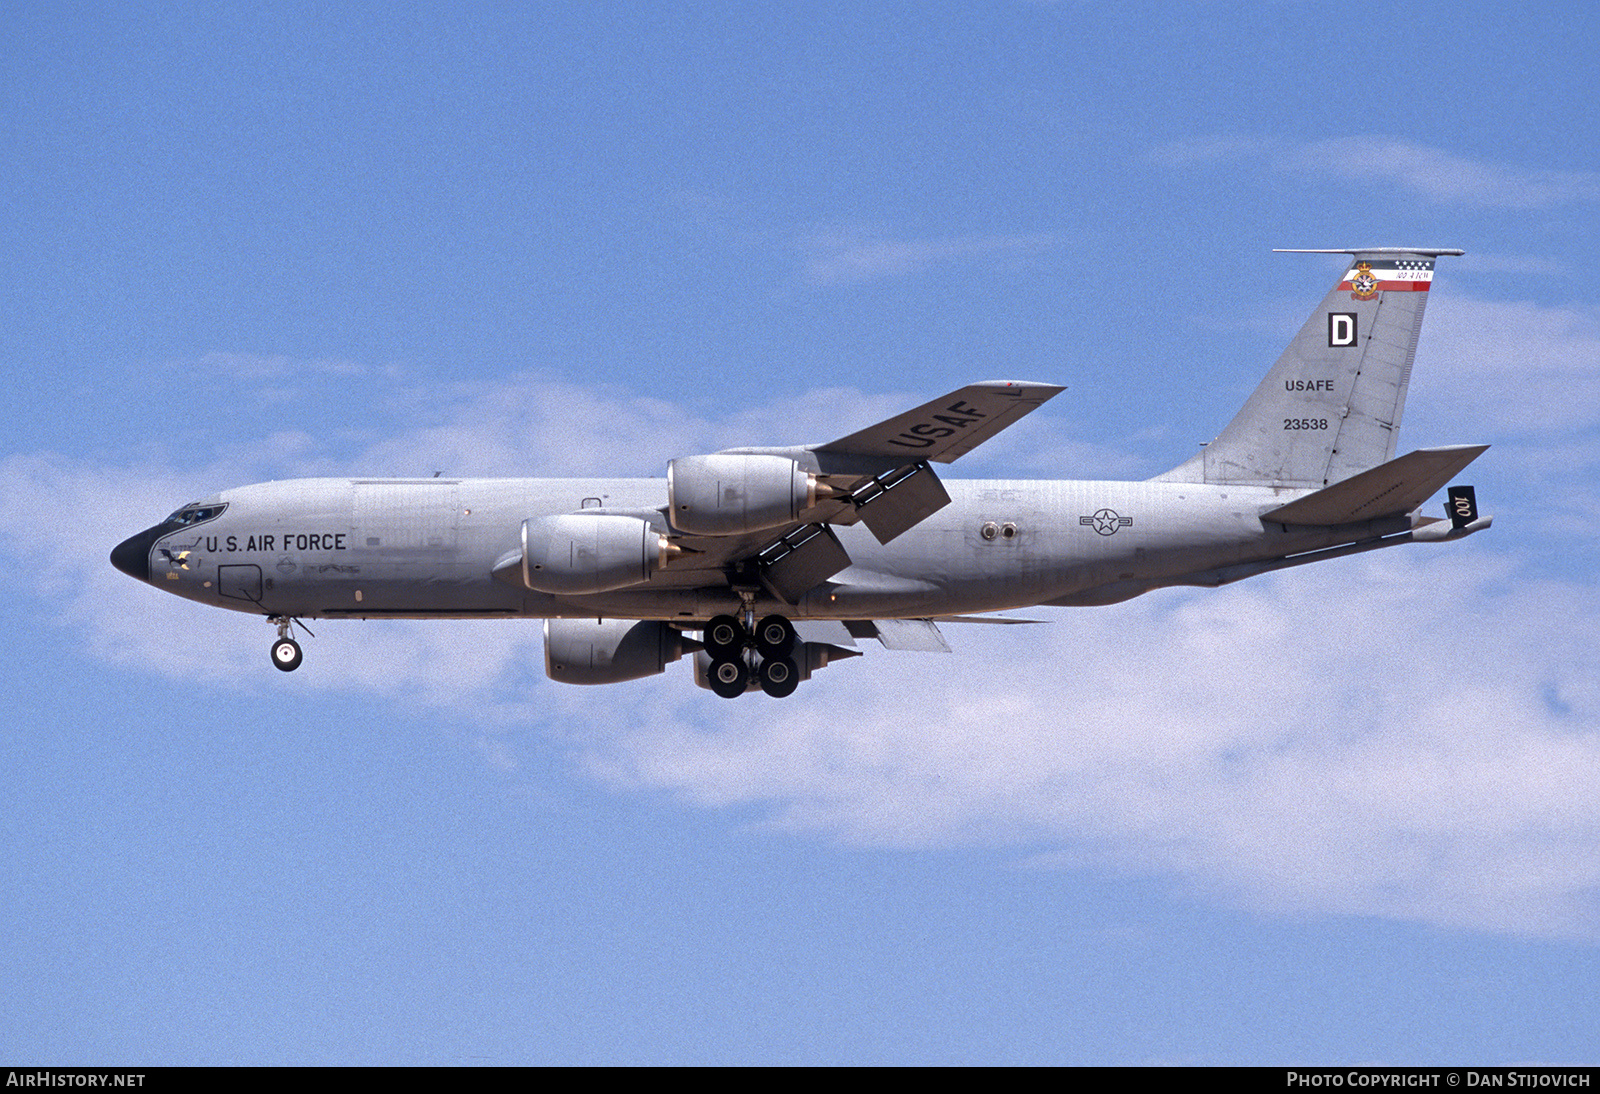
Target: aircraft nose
132	555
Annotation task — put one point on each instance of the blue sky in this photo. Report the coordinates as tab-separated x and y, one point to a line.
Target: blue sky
1342	814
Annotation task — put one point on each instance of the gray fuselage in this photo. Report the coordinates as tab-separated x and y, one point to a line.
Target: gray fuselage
370	548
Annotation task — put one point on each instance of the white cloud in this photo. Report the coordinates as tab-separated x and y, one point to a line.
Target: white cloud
277	368
1386	736
531	425
524	425
1515	365
1441	176
847	258
1374	160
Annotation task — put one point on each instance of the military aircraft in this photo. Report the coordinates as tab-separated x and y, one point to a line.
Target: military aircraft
767	564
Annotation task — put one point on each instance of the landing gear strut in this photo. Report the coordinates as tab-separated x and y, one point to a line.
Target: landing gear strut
286	652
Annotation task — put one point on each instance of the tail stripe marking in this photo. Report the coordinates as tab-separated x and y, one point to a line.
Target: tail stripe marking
1366	279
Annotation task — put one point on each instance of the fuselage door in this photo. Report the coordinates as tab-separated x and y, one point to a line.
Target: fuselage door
240	582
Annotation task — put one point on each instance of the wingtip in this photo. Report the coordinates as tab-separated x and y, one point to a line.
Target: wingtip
1030	387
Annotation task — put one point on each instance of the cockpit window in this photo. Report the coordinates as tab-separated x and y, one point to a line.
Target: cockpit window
196	513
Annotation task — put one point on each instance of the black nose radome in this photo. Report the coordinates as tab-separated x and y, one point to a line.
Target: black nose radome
132	555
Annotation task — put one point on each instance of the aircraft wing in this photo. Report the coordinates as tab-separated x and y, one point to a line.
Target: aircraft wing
946	428
894	488
879	476
766	517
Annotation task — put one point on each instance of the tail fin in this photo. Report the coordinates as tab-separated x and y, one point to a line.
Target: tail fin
1330	408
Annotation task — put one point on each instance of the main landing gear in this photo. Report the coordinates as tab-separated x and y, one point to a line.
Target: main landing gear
730	642
286	653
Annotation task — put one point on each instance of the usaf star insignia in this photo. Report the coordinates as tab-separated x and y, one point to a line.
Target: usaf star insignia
1105	521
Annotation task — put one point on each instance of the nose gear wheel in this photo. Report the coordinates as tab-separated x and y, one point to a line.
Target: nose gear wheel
286	652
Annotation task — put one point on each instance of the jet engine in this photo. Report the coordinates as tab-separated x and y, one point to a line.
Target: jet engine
579	553
731	493
608	651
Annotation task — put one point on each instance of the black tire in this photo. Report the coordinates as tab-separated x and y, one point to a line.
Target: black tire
729	677
724	637
286	654
779	677
774	636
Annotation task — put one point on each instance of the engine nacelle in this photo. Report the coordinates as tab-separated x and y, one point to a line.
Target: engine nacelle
731	493
579	553
608	651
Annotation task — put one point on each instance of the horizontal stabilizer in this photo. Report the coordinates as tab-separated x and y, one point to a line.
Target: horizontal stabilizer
1390	489
948	427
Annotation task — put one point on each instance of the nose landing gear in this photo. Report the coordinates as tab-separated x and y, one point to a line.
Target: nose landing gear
286	652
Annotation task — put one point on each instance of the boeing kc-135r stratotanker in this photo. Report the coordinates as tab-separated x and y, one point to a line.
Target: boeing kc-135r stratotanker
769	563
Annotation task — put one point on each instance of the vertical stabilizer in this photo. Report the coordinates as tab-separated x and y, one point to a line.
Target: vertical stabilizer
1330	408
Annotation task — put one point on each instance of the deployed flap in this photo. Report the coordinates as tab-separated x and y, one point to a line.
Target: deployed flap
1004	620
948	427
801	561
1398	486
911	634
824	631
894	504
